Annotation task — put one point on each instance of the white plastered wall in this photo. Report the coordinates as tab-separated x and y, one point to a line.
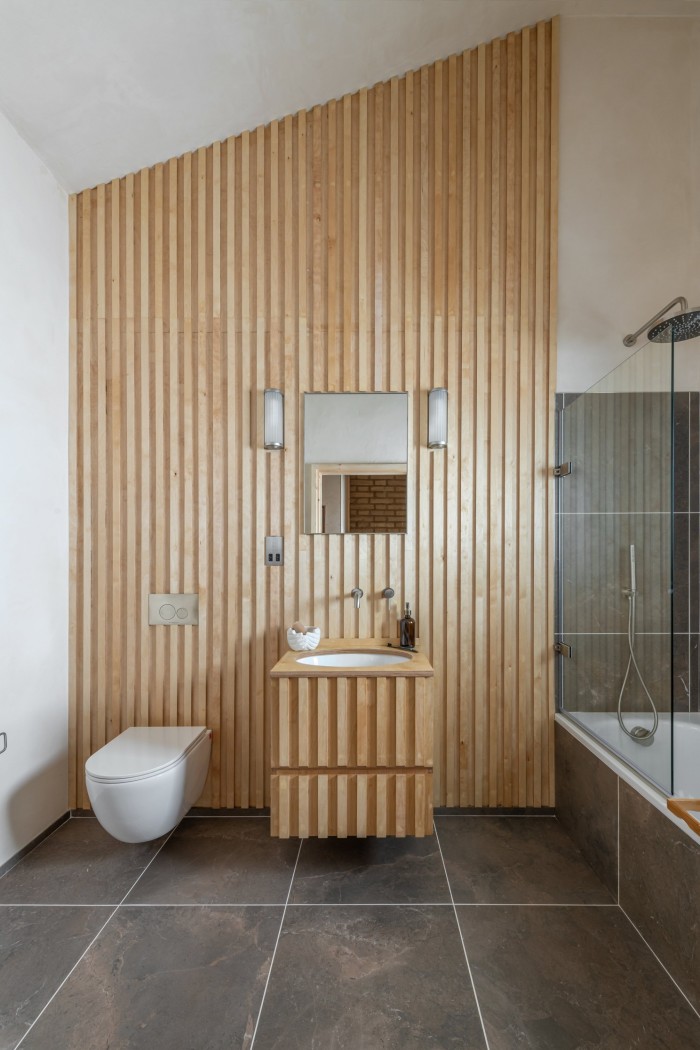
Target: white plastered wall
629	214
33	494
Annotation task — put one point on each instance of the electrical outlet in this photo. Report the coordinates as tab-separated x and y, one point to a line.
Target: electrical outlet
274	550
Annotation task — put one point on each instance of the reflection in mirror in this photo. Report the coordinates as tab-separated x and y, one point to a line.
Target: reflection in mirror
355	462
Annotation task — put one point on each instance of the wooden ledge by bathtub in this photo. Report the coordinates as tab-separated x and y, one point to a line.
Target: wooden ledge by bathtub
687	809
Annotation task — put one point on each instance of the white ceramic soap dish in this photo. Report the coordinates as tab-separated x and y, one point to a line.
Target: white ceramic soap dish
304	640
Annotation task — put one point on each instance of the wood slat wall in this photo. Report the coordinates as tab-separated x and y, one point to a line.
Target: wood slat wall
400	238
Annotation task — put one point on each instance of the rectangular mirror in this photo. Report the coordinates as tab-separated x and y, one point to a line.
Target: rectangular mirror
355	462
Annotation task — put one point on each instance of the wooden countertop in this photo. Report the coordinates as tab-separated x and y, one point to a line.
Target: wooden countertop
417	667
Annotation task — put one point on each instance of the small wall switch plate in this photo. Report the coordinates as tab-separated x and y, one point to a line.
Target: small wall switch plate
173	610
274	550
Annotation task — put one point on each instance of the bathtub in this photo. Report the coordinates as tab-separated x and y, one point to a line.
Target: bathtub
621	753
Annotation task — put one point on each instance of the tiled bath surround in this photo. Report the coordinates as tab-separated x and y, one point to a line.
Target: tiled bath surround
221	937
649	864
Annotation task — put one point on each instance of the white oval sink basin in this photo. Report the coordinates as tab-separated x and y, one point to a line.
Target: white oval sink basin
354	659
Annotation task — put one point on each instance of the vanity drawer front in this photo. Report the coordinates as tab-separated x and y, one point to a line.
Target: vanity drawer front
352	723
342	804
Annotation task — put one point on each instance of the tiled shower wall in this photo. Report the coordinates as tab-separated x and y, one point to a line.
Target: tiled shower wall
686	553
619	493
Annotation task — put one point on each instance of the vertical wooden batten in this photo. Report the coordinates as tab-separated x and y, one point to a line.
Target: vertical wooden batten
403	237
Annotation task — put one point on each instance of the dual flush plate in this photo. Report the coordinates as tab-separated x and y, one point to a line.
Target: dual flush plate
173	610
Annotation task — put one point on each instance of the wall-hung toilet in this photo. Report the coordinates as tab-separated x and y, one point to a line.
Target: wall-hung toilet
143	782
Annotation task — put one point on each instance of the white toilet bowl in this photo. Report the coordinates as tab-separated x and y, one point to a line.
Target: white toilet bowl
143	782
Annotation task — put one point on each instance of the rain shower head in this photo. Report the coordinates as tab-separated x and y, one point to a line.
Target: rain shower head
677	328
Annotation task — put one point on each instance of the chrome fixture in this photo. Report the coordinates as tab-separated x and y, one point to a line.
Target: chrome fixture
677	328
388	593
437	417
357	593
681	301
274	419
638	733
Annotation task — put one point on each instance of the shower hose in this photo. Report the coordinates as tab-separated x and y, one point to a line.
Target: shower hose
638	733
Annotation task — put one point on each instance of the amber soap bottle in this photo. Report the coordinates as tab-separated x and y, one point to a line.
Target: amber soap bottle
407	630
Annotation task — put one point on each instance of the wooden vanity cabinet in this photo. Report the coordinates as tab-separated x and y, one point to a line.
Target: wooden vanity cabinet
352	753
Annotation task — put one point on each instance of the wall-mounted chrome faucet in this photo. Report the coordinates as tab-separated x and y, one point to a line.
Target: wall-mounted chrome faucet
357	593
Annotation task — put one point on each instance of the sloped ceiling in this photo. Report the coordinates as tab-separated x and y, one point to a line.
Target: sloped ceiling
99	88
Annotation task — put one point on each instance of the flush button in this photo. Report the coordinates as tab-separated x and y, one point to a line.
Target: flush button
174	610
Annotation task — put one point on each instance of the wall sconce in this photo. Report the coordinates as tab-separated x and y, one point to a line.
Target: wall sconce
274	419
437	417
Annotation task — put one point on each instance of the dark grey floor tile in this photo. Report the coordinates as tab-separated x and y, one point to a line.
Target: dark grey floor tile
181	978
568	978
370	871
210	861
587	805
355	978
79	864
515	860
659	879
38	947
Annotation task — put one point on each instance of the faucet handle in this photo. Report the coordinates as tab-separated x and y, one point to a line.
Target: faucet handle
388	593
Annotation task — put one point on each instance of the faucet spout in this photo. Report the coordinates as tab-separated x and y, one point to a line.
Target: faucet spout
357	593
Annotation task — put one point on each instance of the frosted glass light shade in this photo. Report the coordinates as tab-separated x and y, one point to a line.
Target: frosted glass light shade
437	417
274	419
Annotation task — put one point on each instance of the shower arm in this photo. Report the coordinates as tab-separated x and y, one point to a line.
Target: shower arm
681	301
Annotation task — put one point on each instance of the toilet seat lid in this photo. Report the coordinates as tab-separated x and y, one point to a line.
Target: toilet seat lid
143	751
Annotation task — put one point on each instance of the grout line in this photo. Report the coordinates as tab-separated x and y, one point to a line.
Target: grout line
623	634
98	934
372	904
274	951
325	904
206	904
461	937
63	904
618	840
667	972
617	513
449	904
501	816
688	548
